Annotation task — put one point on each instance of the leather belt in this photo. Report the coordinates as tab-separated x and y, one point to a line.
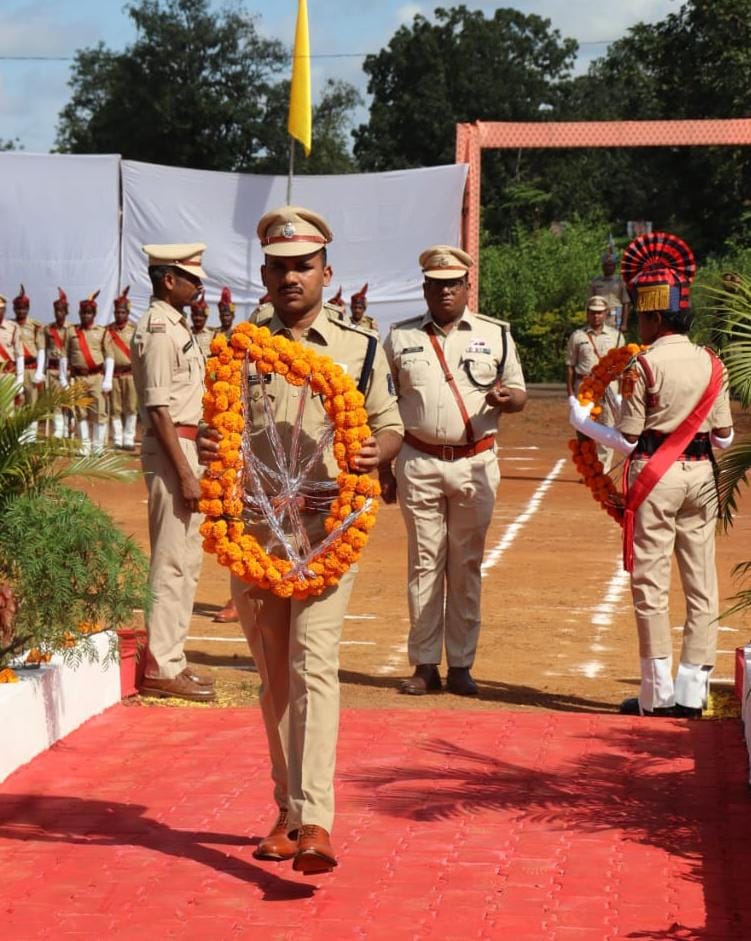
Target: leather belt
698	448
450	452
182	431
123	371
85	371
30	362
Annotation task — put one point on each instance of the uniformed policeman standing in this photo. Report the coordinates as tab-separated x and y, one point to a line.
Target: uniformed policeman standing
226	310
55	337
455	372
677	412
123	399
358	305
85	361
610	286
33	353
199	313
11	350
586	347
295	643
168	369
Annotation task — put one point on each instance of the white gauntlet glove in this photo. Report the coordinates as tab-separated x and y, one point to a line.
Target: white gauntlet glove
603	434
717	442
64	372
109	371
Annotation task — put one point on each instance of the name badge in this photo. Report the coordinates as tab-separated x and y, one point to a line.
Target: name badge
478	346
187	346
412	349
257	380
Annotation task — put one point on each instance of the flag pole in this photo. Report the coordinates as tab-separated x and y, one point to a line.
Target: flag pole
291	170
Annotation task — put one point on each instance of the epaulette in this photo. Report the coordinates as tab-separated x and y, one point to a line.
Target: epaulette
332	313
496	320
409	322
262	313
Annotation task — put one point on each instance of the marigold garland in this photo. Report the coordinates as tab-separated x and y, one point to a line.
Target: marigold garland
584	451
223	529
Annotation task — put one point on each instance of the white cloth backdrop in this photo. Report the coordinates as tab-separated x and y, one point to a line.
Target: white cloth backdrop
381	222
59	228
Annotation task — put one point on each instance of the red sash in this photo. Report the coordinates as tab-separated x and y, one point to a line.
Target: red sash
120	343
5	354
85	351
663	458
57	338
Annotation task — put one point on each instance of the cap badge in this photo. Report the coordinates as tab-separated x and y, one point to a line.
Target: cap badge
288	230
443	262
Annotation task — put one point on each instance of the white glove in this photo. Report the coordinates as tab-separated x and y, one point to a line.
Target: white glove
603	434
19	374
717	442
109	371
63	372
39	374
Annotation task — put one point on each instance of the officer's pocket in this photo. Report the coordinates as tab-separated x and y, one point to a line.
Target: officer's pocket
482	370
256	402
413	372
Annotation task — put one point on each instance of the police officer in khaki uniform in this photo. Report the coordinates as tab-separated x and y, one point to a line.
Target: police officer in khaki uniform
54	338
586	347
168	370
199	314
118	379
11	351
295	643
358	305
85	362
610	286
678	513
455	372
33	353
226	310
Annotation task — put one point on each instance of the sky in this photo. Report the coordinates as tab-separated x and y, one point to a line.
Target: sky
32	93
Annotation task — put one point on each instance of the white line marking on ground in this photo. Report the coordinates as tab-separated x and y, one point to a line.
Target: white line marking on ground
734	630
357	643
360	617
592	669
226	640
396	660
513	529
528	447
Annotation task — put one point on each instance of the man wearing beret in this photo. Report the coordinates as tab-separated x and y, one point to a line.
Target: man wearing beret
295	642
118	379
358	305
199	314
168	369
55	339
32	345
456	373
586	347
610	286
84	361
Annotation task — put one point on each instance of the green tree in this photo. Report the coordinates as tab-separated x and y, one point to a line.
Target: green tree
198	88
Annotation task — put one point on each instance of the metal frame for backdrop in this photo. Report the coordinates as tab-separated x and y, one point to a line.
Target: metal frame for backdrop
472	139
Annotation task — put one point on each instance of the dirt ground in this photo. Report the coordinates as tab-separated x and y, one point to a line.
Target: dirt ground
558	630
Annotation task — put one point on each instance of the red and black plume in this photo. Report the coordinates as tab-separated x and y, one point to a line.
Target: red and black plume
658	269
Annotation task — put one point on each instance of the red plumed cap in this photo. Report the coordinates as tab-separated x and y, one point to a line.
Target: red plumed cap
658	269
123	300
226	296
200	306
62	299
360	295
89	303
337	299
21	300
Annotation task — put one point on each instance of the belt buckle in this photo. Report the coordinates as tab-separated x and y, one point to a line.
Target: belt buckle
447	452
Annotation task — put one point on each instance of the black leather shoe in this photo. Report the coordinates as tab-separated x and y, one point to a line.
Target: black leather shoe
425	679
459	682
630	707
686	712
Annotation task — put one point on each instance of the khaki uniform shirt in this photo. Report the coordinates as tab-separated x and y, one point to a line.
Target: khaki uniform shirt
473	350
347	346
580	352
168	366
31	338
111	348
94	340
611	288
10	340
54	342
681	373
366	322
203	338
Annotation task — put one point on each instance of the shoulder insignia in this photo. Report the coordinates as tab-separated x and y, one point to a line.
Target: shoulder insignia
409	322
346	325
156	326
261	314
494	320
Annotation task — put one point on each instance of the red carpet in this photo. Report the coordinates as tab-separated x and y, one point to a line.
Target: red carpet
519	826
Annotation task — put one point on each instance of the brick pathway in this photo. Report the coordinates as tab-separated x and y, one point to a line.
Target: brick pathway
519	826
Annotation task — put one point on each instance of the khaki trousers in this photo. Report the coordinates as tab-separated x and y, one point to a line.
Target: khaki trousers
680	515
123	399
295	645
447	507
96	410
176	556
30	391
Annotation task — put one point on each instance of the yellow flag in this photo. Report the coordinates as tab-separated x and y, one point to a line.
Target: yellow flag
300	120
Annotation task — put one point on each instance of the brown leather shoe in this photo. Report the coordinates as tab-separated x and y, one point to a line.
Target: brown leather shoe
179	687
315	853
281	843
198	678
227	614
459	682
425	679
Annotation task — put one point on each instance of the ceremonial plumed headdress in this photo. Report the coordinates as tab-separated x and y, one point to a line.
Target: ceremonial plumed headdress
199	305
21	299
658	269
123	300
359	295
225	299
61	302
337	300
89	303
